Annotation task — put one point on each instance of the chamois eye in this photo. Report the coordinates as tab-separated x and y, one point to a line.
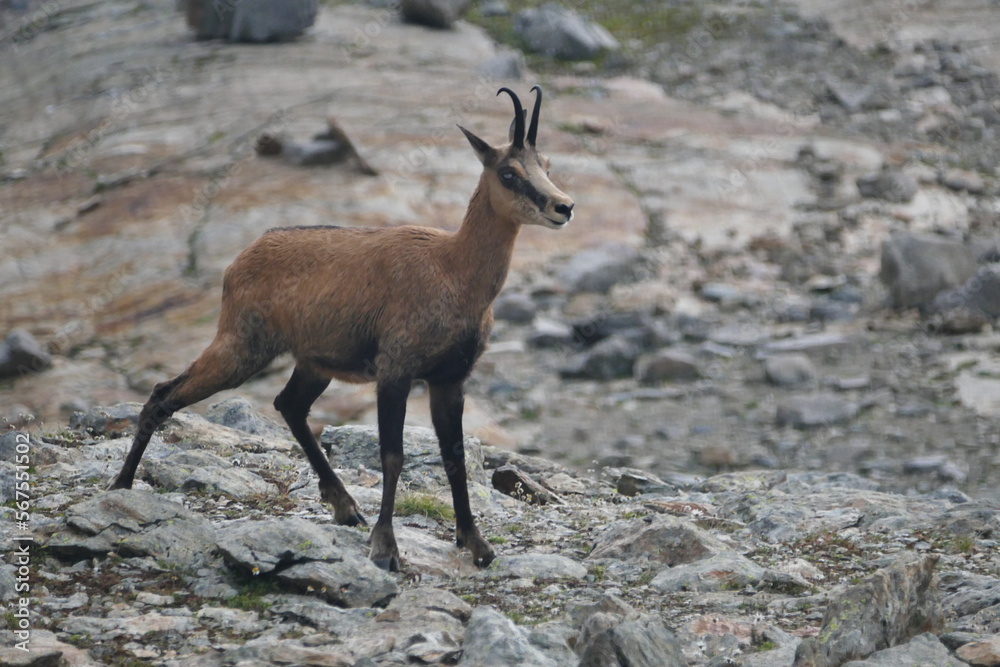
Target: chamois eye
507	175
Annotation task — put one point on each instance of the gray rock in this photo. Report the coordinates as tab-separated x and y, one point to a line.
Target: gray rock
353	581
635	325
263	546
980	295
516	307
961	179
723	571
924	650
549	333
632	482
492	640
315	153
789	370
433	13
310	610
251	20
721	293
114	422
819	343
917	267
666	366
643	642
815	410
134	523
888	608
613	357
202	471
562	33
11	441
891	185
536	566
353	446
239	413
506	65
985	651
599	269
665	539
20	355
555	641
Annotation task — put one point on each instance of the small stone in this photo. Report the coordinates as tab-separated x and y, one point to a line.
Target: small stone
506	65
515	307
666	365
240	414
789	370
599	269
433	13
963	180
891	185
815	410
612	358
549	333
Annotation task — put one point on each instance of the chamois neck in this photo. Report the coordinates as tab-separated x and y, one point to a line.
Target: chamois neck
482	248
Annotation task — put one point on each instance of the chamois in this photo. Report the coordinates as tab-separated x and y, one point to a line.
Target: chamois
387	305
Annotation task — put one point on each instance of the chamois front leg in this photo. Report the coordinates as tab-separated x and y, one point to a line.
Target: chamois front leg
294	403
447	406
391	413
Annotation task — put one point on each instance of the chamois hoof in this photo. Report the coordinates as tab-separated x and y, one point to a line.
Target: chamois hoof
119	483
353	520
388	563
482	552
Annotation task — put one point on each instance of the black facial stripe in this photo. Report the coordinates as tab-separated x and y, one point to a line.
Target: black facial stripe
523	186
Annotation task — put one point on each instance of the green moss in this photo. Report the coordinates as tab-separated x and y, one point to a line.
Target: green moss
423	504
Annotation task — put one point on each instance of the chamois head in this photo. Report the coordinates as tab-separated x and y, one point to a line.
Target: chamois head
516	175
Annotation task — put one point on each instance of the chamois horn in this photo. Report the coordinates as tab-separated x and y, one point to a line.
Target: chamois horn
533	127
518	118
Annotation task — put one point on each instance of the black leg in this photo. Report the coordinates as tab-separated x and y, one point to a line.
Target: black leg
391	413
157	410
447	406
294	402
224	364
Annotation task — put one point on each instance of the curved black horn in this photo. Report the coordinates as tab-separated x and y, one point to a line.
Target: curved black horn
518	118
533	127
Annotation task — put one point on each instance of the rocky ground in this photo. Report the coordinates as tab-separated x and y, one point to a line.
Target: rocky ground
777	301
224	555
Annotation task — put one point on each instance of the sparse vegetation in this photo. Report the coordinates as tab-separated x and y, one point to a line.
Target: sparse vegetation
423	504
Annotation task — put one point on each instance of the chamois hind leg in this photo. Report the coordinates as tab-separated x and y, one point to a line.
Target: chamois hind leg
391	413
447	406
294	402
224	364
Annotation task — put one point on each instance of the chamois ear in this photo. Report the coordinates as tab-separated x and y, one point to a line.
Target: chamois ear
487	154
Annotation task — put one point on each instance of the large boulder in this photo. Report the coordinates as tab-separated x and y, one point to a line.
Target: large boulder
250	20
888	608
918	267
20	354
562	33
